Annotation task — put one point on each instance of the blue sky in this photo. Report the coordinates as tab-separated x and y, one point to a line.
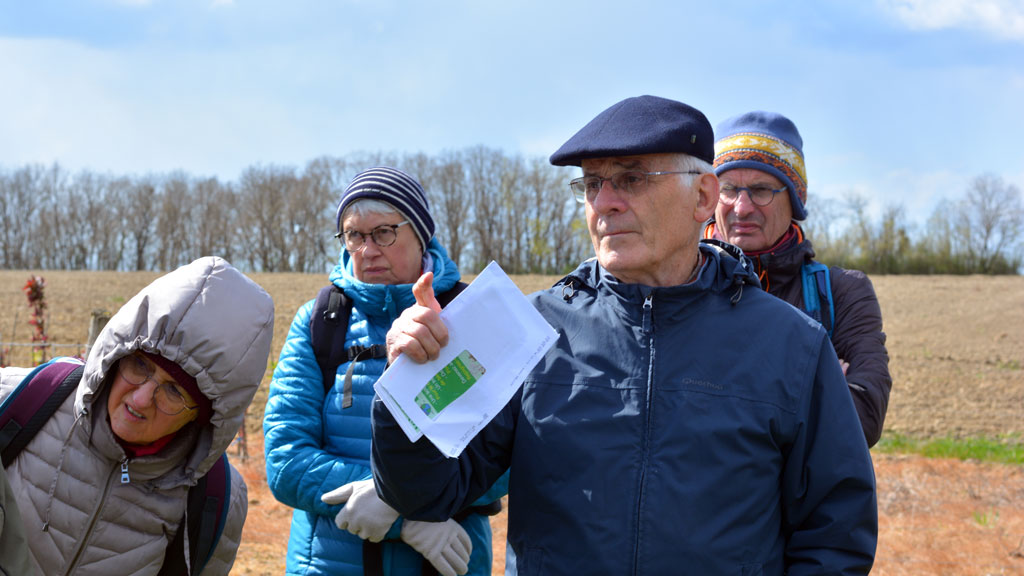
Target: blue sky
899	101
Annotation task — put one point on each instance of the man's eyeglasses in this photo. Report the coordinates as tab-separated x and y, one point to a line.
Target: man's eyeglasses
167	398
631	182
383	236
760	195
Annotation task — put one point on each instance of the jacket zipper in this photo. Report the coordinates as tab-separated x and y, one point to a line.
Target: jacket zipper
647	323
123	465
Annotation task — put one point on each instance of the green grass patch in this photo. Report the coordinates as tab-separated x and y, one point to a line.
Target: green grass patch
1006	449
986	519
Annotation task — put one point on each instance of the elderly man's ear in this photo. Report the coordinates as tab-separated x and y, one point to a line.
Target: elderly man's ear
707	197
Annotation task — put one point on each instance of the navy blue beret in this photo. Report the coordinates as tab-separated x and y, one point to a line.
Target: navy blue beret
641	125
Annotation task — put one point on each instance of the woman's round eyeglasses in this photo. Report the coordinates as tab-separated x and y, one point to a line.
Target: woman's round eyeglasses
383	236
167	398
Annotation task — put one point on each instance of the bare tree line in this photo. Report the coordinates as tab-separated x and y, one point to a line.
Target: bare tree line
981	233
487	206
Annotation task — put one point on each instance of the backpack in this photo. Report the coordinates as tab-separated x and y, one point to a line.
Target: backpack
328	327
817	283
36	399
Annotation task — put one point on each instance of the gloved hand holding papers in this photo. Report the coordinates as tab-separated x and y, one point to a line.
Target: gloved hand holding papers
495	337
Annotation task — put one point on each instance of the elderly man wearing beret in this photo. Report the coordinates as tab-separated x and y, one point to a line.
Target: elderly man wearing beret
760	162
685	422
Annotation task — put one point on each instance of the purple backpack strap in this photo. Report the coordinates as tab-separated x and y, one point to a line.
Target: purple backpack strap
208	504
35	400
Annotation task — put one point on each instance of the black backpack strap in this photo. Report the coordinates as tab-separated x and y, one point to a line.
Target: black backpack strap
373	558
330	316
358	354
207	512
331	313
36	399
445	298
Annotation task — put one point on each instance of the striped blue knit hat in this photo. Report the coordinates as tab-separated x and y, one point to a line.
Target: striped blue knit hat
396	188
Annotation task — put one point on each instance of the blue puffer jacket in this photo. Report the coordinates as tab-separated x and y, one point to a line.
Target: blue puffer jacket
695	429
312	445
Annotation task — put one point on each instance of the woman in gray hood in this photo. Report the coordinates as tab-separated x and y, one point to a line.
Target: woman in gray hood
102	486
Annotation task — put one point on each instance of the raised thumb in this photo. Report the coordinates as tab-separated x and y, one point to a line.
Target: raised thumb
423	291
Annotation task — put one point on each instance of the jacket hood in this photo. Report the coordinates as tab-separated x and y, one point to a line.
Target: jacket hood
212	321
733	267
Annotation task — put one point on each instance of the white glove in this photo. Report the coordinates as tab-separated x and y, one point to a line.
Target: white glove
364	514
445	544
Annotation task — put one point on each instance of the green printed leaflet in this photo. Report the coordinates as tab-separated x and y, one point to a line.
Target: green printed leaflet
449	384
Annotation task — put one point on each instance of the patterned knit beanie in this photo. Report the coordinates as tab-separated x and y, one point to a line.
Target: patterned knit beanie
396	188
768	142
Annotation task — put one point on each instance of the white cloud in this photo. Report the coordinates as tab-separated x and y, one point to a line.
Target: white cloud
1004	18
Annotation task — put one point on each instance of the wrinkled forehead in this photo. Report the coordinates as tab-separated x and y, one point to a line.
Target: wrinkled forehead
612	164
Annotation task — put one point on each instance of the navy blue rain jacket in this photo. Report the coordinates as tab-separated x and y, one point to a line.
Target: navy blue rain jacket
696	429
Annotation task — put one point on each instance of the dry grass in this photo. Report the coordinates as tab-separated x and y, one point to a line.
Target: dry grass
957	352
940	517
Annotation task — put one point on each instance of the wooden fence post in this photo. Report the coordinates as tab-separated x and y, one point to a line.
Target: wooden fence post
99	320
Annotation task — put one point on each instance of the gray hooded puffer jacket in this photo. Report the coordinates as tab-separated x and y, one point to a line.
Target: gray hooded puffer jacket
79	517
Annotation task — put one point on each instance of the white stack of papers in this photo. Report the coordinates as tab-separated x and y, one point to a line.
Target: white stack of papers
495	337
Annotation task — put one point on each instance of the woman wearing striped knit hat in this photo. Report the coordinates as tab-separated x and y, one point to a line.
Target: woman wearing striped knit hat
317	420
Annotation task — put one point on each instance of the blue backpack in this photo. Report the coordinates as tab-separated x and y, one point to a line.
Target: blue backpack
36	399
817	282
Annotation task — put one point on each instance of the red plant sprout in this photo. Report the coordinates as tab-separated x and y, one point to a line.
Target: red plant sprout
37	302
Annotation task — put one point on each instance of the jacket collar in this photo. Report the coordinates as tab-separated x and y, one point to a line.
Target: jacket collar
725	267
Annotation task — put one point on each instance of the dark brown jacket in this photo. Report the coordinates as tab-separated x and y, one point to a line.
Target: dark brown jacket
857	335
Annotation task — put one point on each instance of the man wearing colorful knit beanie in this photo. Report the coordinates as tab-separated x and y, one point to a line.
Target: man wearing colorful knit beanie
763	190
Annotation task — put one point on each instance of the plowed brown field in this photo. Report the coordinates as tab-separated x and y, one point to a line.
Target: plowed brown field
957	361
